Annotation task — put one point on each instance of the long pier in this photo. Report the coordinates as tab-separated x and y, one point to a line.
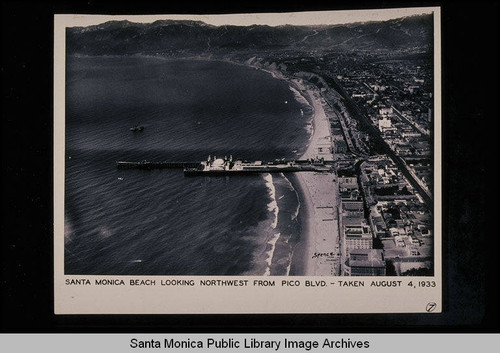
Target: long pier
197	168
156	165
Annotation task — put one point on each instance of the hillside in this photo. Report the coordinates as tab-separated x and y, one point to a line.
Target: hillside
166	36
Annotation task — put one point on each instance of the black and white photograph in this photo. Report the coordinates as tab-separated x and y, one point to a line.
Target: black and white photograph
212	148
204	150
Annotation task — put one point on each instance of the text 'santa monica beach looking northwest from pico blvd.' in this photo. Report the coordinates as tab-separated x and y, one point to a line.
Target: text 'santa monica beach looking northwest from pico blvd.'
248	158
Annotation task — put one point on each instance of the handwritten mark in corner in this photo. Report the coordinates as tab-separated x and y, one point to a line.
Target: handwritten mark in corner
430	307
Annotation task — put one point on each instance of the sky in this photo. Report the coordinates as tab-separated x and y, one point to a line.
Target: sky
271	19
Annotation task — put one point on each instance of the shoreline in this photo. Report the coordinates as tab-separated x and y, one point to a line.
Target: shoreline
299	261
319	196
313	255
316	191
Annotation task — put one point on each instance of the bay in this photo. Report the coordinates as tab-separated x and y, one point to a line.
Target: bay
135	222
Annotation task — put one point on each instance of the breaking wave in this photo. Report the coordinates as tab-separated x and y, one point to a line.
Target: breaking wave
273	205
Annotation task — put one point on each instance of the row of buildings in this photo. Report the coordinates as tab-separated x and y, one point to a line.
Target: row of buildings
385	228
397	97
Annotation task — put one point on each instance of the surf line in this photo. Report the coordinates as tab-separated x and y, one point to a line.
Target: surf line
271	207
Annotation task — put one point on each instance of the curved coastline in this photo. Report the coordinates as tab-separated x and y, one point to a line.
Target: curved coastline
302	262
317	192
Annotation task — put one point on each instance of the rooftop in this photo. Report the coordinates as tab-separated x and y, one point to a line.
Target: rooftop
366	258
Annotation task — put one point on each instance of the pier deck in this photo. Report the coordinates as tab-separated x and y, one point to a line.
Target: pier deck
198	168
156	165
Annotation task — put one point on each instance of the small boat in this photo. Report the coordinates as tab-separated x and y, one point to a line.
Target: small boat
137	128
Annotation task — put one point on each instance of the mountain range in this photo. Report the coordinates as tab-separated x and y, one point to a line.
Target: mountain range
174	36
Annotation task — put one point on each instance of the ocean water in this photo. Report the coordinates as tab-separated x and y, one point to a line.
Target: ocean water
158	222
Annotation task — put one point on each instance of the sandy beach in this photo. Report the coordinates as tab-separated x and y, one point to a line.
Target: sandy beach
316	254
